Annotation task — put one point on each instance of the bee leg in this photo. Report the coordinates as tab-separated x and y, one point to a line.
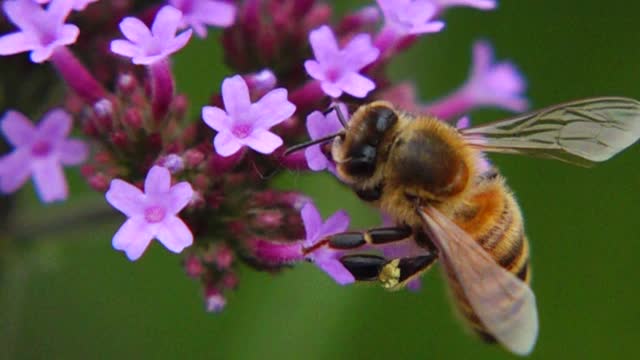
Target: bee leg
376	236
393	275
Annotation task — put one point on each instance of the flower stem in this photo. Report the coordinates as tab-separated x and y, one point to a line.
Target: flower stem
162	88
77	77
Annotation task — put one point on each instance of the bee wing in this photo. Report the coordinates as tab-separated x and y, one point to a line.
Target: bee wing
504	304
582	132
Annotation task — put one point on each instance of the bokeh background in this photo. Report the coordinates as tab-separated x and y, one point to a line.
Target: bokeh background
68	295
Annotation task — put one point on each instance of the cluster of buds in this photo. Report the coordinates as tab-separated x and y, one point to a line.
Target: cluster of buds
201	187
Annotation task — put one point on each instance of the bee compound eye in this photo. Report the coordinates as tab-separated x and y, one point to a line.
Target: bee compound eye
385	119
362	162
370	194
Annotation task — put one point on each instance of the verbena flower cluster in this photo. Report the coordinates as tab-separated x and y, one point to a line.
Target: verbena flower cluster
196	185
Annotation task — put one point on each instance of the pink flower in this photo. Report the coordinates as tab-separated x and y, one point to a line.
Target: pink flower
41	31
152	214
146	46
318	126
77	5
198	14
39	152
478	4
338	69
490	84
245	123
410	17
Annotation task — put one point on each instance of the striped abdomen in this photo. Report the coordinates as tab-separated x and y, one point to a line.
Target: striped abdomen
492	217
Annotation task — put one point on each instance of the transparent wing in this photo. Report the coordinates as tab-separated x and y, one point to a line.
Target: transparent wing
582	132
505	304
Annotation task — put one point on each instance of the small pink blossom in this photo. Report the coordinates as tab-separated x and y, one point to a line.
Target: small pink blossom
338	69
243	123
152	214
318	126
147	46
77	5
478	4
39	152
41	31
198	14
490	84
411	17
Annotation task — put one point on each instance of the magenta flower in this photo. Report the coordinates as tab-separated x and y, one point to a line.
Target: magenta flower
318	126
338	69
490	84
146	46
411	17
152	214
245	123
478	4
77	5
41	31
198	14
325	258
39	152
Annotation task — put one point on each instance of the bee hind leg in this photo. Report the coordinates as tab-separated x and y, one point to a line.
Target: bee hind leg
393	274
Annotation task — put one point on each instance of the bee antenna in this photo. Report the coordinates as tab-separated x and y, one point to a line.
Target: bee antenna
304	145
339	113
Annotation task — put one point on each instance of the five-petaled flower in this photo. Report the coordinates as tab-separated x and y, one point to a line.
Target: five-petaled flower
146	46
490	84
245	123
410	17
40	152
319	126
338	69
41	31
152	214
78	5
198	14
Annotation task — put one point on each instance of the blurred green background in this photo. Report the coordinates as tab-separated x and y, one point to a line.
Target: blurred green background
72	296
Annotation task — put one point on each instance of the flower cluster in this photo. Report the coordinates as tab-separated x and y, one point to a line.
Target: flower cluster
198	186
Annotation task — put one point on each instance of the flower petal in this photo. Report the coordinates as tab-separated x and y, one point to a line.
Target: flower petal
133	237
359	52
23	14
316	160
73	152
312	222
41	54
158	180
235	95
178	42
356	85
331	89
55	125
337	223
14	171
17	128
135	30
226	144
263	141
216	118
17	42
49	180
314	69
272	109
166	23
125	197
216	13
58	11
324	44
125	48
180	195
336	270
482	58
174	234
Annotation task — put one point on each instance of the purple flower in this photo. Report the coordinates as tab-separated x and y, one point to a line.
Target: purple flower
318	126
478	4
198	14
41	31
338	69
245	123
411	17
40	152
324	257
146	46
490	84
152	214
77	5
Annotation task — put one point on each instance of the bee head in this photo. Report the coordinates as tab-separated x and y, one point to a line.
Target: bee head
357	150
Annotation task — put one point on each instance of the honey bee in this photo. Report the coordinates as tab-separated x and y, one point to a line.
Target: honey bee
449	204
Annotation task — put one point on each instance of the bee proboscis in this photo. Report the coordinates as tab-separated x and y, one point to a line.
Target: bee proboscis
433	181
